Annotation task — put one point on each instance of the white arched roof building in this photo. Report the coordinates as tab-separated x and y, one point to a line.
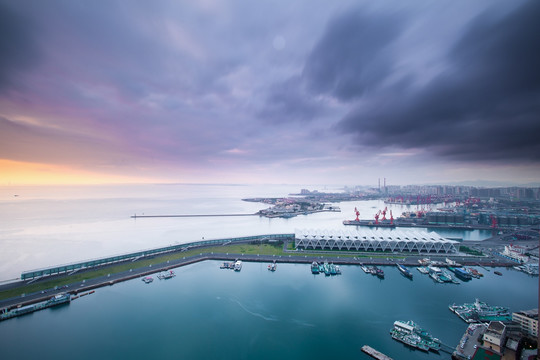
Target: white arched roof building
374	240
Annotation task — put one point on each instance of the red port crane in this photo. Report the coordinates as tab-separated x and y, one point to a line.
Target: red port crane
377	217
357	214
493	221
384	213
391	218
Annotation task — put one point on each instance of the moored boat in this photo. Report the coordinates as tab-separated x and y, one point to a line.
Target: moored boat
315	269
404	271
411	334
481	312
238	265
379	272
460	273
166	275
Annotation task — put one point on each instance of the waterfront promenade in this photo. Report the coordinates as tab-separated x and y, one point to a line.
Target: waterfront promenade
289	256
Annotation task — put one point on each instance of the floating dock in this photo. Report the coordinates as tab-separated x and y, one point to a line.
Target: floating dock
374	353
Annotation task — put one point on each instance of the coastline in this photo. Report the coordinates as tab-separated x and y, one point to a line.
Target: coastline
76	287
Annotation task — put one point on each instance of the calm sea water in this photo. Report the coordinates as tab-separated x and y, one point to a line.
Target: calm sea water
44	226
208	313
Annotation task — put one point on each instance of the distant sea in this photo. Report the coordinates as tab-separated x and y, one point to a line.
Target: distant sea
52	225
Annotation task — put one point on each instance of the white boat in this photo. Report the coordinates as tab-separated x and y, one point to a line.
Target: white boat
166	275
237	265
452	262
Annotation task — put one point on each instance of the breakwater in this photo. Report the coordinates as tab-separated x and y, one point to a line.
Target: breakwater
188	215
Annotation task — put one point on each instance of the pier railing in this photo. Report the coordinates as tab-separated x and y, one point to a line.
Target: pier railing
67	268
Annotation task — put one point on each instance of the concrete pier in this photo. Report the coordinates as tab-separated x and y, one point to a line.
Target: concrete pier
374	353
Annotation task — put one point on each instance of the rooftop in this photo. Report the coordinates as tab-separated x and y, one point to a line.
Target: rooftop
533	313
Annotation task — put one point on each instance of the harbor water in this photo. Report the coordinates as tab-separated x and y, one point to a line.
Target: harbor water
209	313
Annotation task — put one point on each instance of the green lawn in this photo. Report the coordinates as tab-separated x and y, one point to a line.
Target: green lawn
468	250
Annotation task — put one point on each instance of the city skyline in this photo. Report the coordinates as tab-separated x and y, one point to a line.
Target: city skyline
238	92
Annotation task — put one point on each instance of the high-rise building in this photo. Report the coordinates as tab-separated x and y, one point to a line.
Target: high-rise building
527	320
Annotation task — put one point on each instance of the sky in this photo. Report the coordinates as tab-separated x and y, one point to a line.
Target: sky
311	92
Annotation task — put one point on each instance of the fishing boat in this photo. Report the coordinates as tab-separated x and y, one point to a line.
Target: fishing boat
272	266
379	272
326	269
147	279
238	265
315	269
460	273
404	271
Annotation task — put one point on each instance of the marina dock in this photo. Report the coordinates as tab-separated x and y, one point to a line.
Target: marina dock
374	353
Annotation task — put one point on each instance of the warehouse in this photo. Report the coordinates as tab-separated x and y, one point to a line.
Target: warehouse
374	240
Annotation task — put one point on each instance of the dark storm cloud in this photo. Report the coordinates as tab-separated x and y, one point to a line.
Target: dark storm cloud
289	101
18	48
353	56
485	106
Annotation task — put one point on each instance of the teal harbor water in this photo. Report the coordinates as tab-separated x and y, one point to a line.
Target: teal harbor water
208	313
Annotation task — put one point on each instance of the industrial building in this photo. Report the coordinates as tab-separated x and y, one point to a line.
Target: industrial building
374	240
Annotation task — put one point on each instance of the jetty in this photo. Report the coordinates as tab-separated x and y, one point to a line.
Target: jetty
374	353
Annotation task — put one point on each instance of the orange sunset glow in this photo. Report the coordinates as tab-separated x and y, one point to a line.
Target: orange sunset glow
26	173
